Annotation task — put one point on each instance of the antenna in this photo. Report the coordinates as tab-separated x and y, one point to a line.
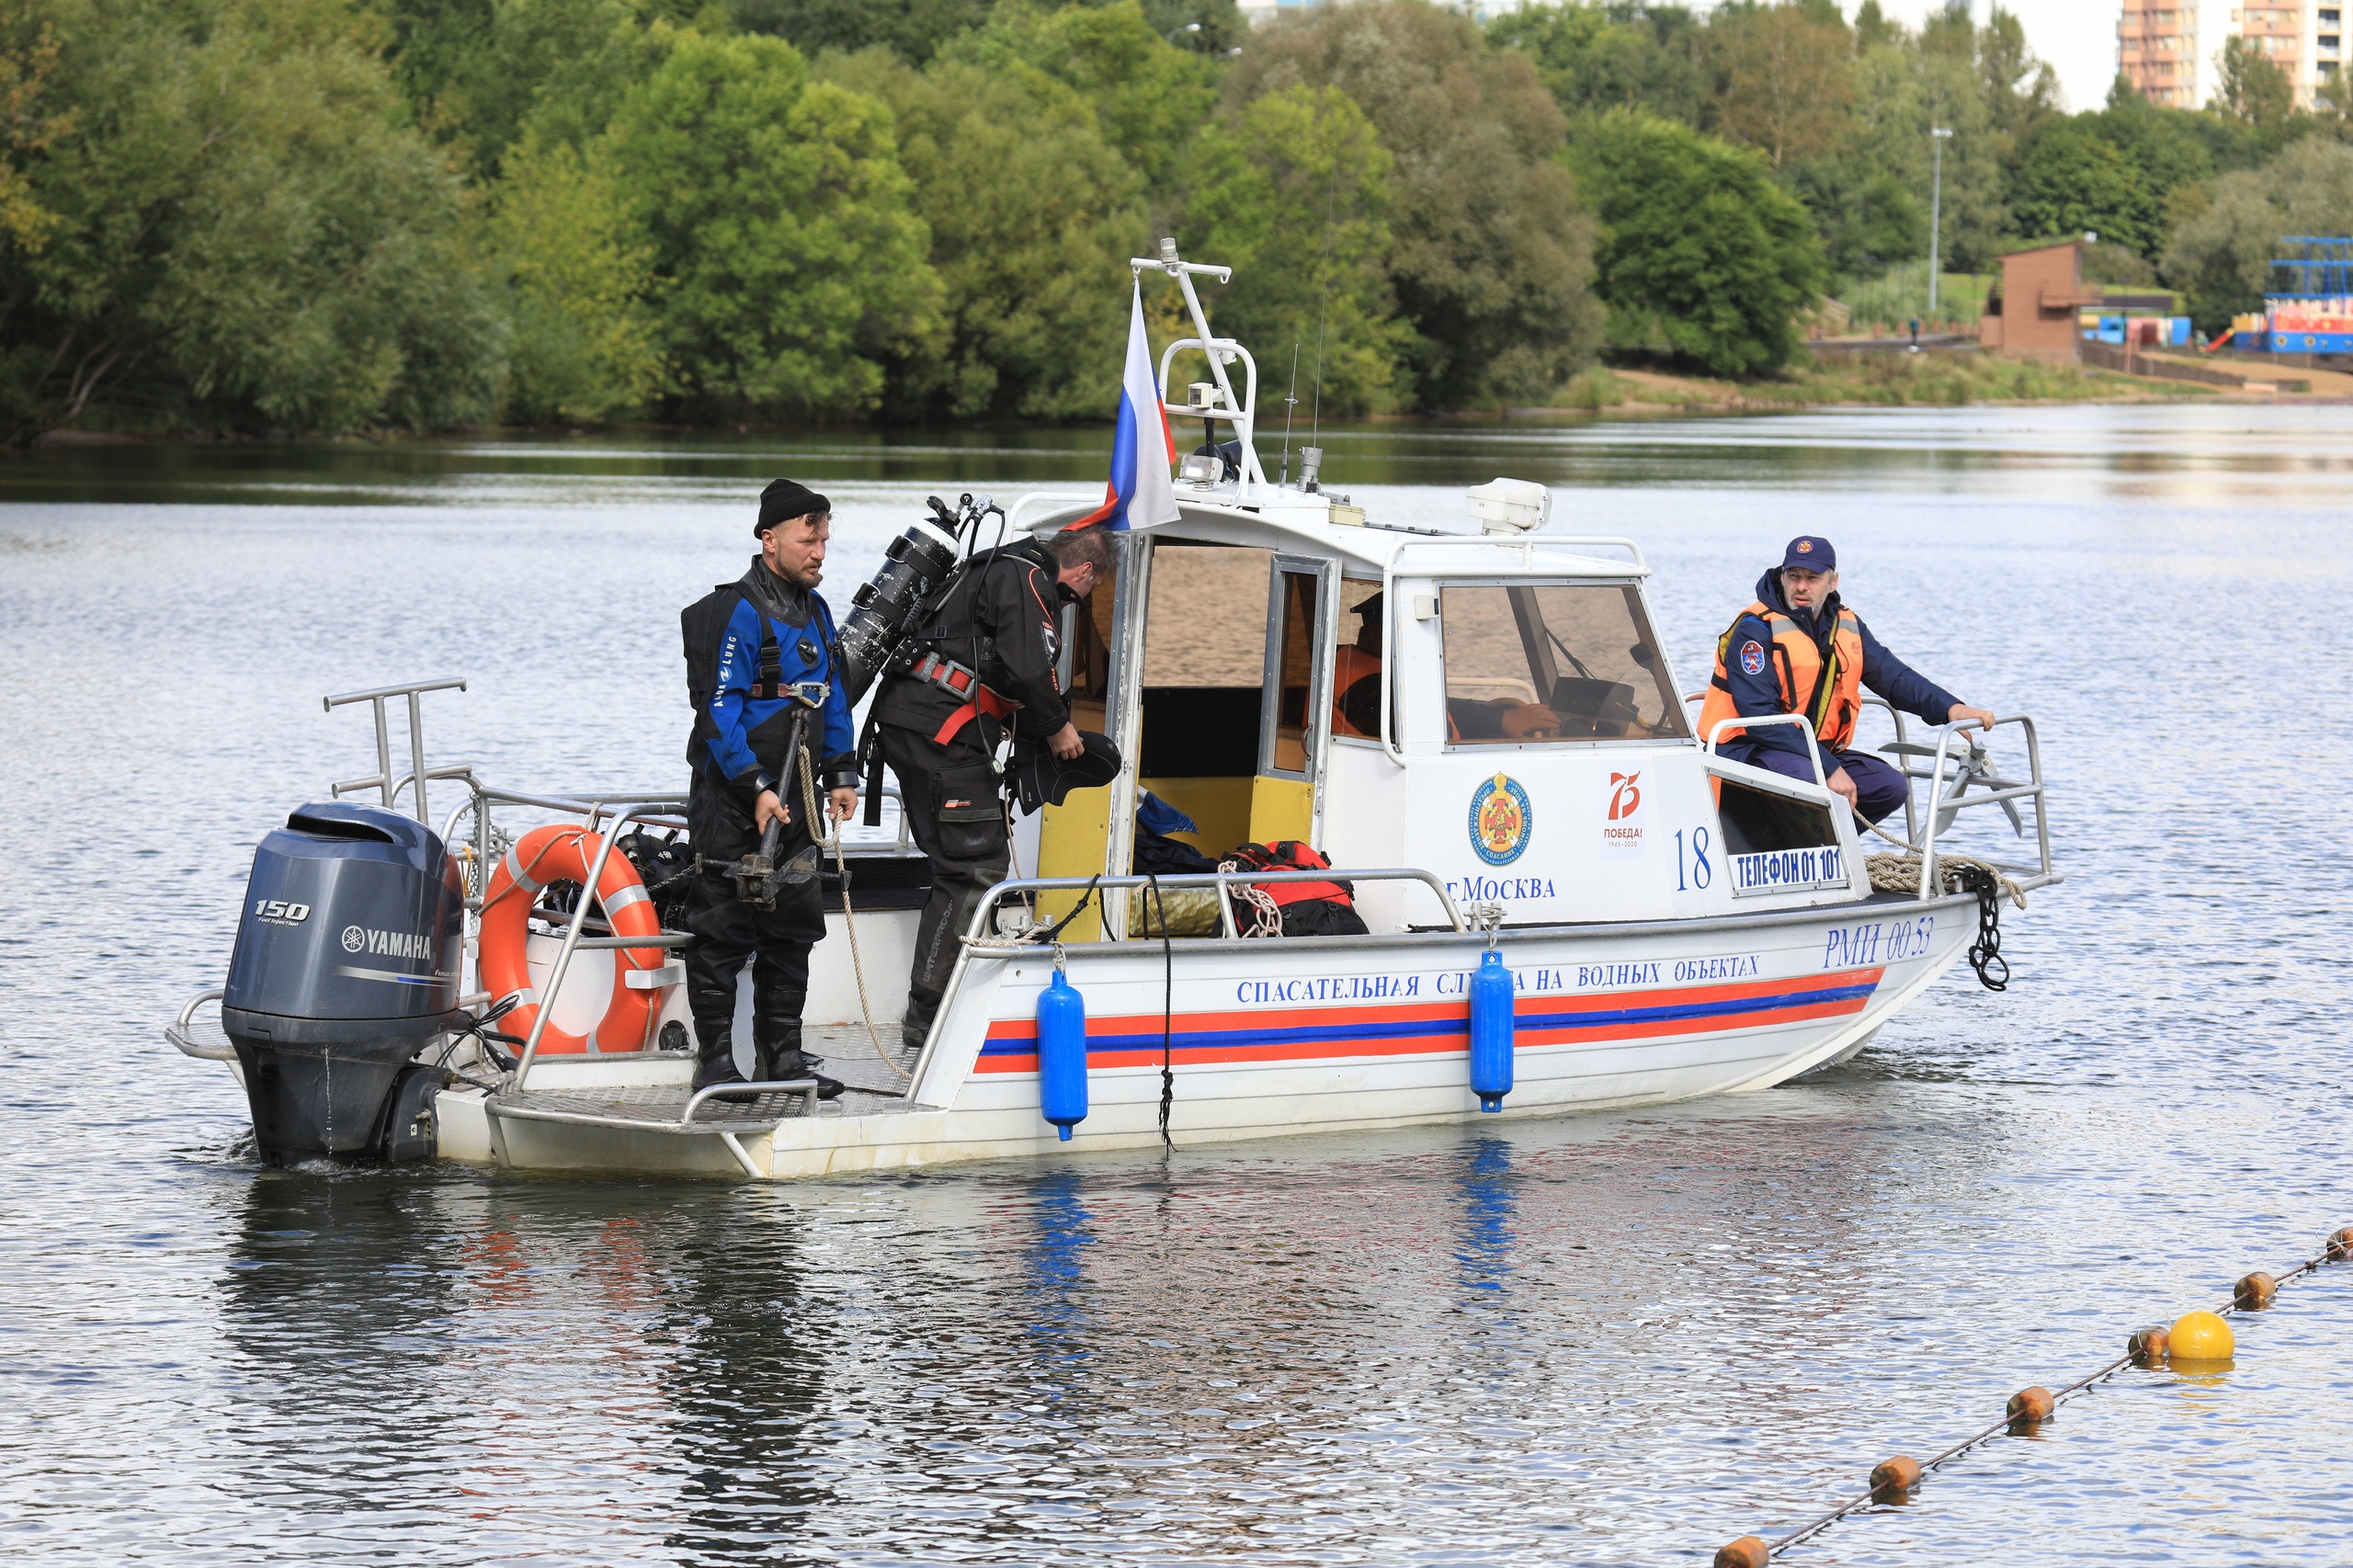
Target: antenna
1290	406
1331	196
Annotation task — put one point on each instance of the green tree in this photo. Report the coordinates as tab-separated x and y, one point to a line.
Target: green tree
1868	220
1492	259
1149	96
789	260
2253	89
1293	194
1032	217
912	29
243	233
574	268
2021	91
2073	179
1787	86
476	71
1702	250
1592	56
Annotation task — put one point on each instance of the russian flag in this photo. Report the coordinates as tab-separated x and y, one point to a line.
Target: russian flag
1141	492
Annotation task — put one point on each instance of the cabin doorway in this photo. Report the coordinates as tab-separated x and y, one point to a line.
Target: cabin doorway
1232	650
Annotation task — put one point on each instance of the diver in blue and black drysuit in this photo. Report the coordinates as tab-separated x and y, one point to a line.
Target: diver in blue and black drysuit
761	669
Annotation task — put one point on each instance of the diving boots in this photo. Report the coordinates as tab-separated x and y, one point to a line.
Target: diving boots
715	1054
779	1059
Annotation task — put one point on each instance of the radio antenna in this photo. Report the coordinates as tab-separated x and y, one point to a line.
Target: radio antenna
1290	406
1323	296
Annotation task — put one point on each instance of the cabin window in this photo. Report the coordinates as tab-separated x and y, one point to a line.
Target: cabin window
1358	683
1204	660
1539	662
1291	672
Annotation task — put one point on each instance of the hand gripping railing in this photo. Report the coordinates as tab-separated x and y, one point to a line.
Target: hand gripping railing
1941	807
1924	842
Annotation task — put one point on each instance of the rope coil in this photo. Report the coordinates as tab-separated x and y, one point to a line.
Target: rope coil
1957	873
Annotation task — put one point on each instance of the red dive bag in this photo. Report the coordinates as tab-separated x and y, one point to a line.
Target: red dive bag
1302	908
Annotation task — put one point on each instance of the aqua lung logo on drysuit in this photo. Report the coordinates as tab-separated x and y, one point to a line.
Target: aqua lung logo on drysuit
387	944
1501	820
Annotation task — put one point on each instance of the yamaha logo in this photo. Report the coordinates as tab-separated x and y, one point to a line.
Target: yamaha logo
386	944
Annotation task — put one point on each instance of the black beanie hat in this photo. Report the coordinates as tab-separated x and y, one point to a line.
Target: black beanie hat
784	500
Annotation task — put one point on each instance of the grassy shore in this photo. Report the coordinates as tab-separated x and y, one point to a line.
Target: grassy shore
1875	380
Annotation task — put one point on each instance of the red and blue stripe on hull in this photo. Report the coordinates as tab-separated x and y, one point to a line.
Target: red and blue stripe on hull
1432	1028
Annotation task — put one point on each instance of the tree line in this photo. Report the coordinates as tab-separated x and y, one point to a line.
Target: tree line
354	215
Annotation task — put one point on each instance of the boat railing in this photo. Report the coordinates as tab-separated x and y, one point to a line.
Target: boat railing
573	941
1998	791
376	698
1947	792
1224	881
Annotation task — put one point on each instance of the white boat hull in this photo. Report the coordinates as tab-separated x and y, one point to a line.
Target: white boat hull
1282	1038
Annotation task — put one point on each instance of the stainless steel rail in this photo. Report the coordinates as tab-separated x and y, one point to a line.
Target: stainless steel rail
176	1032
572	942
1941	806
376	698
1919	841
1221	880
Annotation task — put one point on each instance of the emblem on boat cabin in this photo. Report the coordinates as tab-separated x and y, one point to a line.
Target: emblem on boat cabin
1622	827
1500	820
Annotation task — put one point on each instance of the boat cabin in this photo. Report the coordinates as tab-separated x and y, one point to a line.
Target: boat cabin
1496	709
1492	705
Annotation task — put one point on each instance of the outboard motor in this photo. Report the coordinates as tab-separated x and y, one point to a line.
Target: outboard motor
347	959
885	609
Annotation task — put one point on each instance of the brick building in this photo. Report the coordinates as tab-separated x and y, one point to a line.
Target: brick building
2032	313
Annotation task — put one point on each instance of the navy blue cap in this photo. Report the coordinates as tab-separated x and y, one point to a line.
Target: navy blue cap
1809	552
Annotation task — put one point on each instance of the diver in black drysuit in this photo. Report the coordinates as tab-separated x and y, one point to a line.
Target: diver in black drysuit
761	653
986	655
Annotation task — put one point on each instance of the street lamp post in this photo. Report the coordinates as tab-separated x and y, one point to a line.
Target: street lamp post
1938	136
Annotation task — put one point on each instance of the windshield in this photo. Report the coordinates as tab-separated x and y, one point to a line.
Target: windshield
1553	661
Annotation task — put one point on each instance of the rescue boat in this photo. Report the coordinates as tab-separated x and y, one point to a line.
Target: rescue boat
1572	901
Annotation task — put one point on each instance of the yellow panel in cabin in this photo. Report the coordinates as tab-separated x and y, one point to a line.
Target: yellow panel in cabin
1280	809
1071	843
1221	806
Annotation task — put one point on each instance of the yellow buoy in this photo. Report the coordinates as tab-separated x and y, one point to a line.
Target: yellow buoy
2200	1336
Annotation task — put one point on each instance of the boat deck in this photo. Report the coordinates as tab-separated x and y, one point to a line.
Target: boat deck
871	1088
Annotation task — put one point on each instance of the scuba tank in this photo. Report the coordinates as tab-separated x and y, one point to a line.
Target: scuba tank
887	609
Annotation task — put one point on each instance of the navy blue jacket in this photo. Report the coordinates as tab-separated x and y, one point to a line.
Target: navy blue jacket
741	737
1884	675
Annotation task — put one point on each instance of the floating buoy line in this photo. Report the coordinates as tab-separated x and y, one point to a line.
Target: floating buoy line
2195	1341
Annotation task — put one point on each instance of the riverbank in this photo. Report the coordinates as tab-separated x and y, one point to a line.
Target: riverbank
1881	379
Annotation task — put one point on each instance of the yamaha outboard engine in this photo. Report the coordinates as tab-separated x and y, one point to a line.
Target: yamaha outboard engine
347	959
886	609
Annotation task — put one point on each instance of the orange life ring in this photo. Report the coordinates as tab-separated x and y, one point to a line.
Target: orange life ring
554	855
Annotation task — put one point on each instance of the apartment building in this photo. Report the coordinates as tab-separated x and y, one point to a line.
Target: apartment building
2172	50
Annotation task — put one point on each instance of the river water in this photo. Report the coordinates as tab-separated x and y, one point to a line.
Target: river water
1610	1338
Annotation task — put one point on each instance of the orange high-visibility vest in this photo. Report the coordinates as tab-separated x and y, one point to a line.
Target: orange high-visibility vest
1829	693
1352	665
